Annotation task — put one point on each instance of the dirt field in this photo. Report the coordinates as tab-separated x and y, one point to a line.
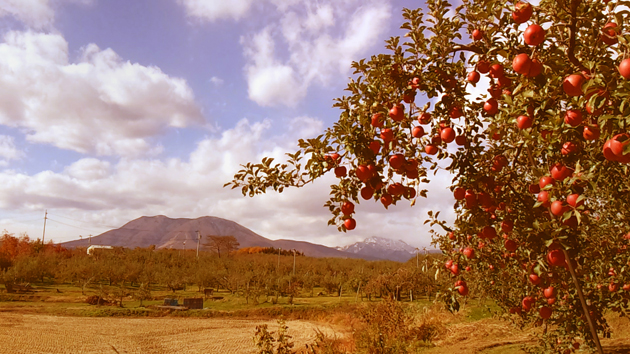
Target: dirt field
37	333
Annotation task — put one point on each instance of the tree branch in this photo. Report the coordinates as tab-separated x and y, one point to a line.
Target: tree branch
572	34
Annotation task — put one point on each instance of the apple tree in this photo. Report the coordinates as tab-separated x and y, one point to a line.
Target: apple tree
528	108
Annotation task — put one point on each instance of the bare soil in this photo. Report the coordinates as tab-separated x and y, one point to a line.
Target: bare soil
38	333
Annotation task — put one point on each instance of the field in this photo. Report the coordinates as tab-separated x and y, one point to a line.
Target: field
51	321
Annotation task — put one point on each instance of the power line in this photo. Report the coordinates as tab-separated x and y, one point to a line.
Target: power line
78	227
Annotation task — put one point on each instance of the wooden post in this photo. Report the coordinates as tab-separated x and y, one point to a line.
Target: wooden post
583	302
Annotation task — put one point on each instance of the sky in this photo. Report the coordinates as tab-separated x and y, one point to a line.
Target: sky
113	109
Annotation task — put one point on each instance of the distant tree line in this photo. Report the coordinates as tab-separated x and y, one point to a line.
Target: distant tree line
255	274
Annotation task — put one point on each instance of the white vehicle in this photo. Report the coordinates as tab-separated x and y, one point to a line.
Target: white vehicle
91	249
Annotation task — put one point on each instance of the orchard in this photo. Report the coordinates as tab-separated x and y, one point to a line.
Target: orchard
540	158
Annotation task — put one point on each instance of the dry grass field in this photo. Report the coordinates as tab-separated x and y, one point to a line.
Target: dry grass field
38	333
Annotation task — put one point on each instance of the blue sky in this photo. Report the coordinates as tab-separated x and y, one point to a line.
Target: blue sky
111	110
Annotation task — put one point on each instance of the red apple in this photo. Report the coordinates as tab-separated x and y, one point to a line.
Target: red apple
524	122
559	172
386	199
377	120
341	171
522	12
417	132
550	292
556	258
573	117
459	193
375	146
396	161
397	113
609	33
387	135
624	68
491	106
569	148
473	77
534	35
521	64
527	303
557	208
591	132
431	149
460	140
477	35
456	112
469	252
447	135
471	198
347	208
496	71
543	197
424	118
367	192
483	66
572	200
572	85
510	245
350	224
534	188
545	181
545	312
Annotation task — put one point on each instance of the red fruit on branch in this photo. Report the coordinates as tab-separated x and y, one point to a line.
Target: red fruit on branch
522	12
545	312
431	149
572	200
572	85
624	68
447	135
459	193
534	35
424	118
569	148
557	208
341	171
377	120
534	279
350	224
473	77
367	192
559	172
510	245
469	252
477	35
524	122
527	303
573	117
417	132
609	33
460	140
396	161
347	208
556	258
496	71
545	181
543	197
375	146
491	106
387	135
397	113
591	132
550	292
521	64
483	66
386	200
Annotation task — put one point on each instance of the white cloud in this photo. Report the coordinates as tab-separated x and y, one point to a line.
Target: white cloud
100	105
320	41
34	13
8	151
100	193
212	10
216	81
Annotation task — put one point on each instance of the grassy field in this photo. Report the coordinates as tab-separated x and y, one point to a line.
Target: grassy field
61	322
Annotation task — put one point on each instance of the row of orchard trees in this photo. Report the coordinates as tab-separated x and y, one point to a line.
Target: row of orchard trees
254	276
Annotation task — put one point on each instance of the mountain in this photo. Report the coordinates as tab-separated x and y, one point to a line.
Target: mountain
164	232
381	248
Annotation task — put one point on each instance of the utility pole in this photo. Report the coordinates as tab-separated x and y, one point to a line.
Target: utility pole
279	259
417	263
90	239
44	234
198	240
